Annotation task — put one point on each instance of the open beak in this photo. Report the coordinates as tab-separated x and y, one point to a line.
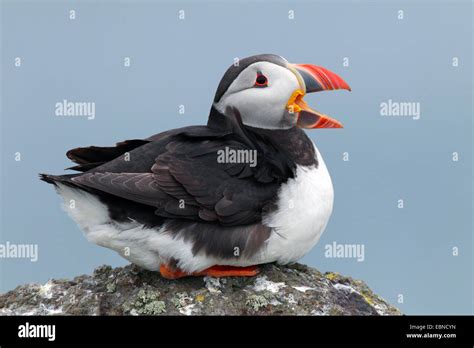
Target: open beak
313	78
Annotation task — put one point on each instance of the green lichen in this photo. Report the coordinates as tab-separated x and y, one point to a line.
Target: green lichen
181	300
256	302
111	287
368	297
331	275
338	278
145	302
366	293
153	308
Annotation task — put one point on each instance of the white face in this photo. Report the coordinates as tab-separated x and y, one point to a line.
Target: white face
259	106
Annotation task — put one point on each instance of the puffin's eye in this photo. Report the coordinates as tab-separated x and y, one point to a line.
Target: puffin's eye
261	81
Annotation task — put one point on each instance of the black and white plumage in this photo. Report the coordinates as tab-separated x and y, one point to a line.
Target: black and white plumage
167	200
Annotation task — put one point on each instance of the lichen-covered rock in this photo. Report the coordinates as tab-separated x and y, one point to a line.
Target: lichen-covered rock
277	290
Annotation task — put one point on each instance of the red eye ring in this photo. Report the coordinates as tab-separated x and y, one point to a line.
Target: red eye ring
261	81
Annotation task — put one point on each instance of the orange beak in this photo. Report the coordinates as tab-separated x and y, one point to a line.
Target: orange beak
313	79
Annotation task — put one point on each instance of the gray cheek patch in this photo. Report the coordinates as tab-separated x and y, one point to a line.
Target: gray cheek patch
288	120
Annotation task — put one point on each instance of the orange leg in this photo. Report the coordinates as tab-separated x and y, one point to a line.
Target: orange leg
214	271
229	271
169	273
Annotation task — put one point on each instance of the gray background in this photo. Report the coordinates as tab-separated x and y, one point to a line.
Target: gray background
407	251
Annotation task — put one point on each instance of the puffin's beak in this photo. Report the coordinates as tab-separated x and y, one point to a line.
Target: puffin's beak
313	79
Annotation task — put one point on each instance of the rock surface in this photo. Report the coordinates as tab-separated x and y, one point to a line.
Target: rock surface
277	290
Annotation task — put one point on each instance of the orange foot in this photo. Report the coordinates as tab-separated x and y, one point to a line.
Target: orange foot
214	271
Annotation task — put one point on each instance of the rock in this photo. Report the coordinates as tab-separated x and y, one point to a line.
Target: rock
277	290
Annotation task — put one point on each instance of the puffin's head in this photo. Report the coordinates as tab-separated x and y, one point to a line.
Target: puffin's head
268	92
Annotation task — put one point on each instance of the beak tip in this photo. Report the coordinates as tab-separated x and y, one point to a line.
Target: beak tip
347	87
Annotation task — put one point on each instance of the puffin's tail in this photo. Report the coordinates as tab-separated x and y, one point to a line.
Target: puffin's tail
59	179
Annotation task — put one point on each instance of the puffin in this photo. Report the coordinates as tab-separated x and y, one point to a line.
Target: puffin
217	200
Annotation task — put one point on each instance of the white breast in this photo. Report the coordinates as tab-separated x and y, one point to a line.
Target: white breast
304	207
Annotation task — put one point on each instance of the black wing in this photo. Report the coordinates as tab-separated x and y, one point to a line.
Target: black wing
180	175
